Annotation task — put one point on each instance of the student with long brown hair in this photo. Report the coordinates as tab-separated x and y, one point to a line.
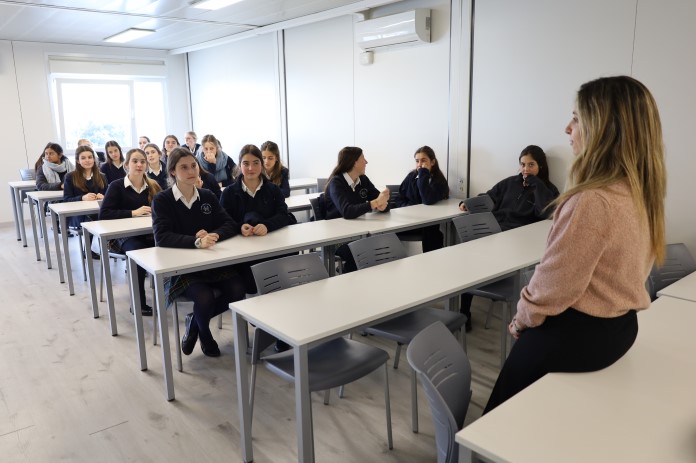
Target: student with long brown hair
273	168
578	312
132	196
113	167
51	168
85	183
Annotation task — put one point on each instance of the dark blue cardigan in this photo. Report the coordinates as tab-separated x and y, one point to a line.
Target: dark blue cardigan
267	206
120	201
72	193
341	201
420	188
112	172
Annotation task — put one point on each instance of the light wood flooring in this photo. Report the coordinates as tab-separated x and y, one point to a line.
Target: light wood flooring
71	392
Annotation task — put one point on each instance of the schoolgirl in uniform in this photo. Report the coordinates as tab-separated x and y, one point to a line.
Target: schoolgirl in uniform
85	183
273	168
51	168
215	161
113	167
255	203
142	141
426	184
156	170
131	196
184	216
169	144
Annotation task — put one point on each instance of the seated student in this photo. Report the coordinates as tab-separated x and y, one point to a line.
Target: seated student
257	204
215	161
142	141
520	200
169	144
184	216
85	183
350	194
156	170
51	168
113	167
190	141
100	154
131	196
425	185
273	168
207	180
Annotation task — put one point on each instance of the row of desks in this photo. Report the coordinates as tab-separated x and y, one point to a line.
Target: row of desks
641	409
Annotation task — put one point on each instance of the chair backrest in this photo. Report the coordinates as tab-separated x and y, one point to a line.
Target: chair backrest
678	263
321	184
481	203
318	208
473	226
27	174
376	249
393	195
444	371
286	272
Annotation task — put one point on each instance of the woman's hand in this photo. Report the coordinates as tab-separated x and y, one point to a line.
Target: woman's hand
100	196
382	201
462	206
209	240
247	230
141	211
89	197
515	328
260	230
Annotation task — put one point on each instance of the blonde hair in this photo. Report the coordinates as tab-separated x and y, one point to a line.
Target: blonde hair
152	186
622	140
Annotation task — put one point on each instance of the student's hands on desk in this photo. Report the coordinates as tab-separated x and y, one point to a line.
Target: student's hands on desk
141	211
258	230
207	239
382	201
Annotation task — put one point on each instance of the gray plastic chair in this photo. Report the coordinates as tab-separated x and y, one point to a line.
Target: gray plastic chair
445	374
27	174
318	211
331	364
379	249
478	204
321	184
678	263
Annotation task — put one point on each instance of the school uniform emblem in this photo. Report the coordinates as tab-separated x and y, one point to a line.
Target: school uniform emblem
206	208
363	193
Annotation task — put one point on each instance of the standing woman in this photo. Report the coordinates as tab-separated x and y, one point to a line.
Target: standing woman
85	183
426	184
350	194
255	203
578	312
169	144
190	139
215	161
51	168
273	168
128	197
156	169
184	216
113	167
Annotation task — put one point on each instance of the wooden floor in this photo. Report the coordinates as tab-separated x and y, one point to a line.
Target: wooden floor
69	391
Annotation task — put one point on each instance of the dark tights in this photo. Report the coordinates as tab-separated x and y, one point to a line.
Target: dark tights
211	299
131	244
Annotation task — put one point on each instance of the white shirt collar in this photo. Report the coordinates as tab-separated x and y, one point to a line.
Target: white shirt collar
179	196
248	191
352	184
127	183
150	170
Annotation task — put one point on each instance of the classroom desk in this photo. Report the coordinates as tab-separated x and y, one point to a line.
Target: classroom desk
641	409
41	198
682	289
314	313
61	212
16	189
299	203
105	230
306	184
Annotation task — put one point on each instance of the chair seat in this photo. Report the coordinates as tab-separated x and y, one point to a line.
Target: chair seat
331	364
498	291
404	328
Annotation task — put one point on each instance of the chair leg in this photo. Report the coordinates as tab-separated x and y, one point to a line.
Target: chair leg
341	391
414	402
489	314
327	396
220	322
397	355
179	362
387	407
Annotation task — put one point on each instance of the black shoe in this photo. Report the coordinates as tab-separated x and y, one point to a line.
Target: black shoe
467	325
188	342
145	310
210	349
281	346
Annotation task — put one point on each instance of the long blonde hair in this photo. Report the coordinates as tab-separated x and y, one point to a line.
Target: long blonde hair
622	140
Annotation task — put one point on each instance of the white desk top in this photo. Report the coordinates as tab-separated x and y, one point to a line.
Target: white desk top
110	229
300	202
45	195
641	409
22	184
682	289
75	208
300	183
341	303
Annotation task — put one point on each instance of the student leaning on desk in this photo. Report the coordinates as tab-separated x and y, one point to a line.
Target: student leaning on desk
578	312
350	194
132	196
187	217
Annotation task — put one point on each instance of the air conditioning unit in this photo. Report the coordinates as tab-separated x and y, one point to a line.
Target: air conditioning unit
409	27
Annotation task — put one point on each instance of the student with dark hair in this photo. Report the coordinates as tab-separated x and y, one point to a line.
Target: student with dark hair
51	168
113	167
255	203
426	184
156	170
169	144
184	216
519	200
273	168
131	196
350	194
215	161
142	141
85	183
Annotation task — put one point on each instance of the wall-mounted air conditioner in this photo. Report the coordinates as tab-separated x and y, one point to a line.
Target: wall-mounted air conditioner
409	27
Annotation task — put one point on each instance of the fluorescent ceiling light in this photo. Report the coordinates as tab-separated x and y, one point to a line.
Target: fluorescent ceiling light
214	4
128	35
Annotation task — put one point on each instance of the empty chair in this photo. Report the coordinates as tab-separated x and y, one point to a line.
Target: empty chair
473	226
445	374
331	364
393	195
379	249
678	263
321	184
27	174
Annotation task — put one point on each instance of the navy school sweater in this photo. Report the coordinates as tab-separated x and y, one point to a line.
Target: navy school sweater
341	201
112	172
266	207
420	188
120	201
72	193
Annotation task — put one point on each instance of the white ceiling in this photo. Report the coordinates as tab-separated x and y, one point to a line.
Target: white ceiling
178	25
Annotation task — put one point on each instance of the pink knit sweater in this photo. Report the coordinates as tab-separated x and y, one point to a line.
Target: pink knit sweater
596	261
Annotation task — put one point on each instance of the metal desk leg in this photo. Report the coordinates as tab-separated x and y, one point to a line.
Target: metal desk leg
66	253
54	220
137	314
20	216
303	406
33	229
106	274
14	211
163	326
44	232
240	359
465	455
90	276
